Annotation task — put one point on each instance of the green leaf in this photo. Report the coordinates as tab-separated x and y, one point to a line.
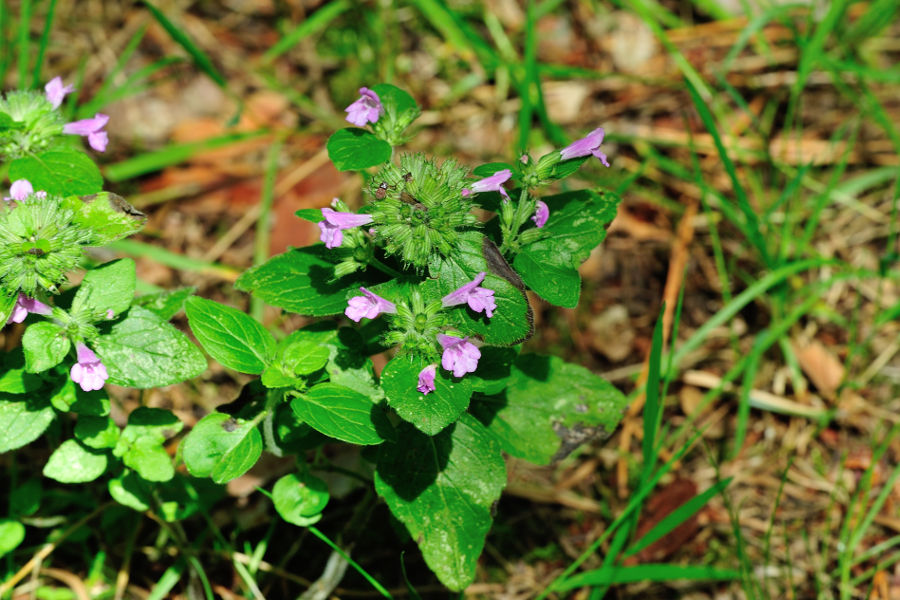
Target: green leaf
512	321
25	498
400	108
165	304
60	172
144	351
97	432
577	224
221	447
45	345
140	445
131	491
18	381
23	421
647	572
106	215
70	397
231	337
108	287
313	215
431	412
442	488
353	149
300	499
73	463
12	533
341	413
550	408
488	169
7	122
7	303
300	353
493	371
302	281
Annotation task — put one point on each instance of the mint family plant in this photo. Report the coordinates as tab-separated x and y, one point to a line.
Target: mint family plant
433	271
443	292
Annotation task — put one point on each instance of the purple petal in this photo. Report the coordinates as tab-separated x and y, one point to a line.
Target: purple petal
585	146
86	126
426	379
494	183
98	141
56	91
20	189
367	109
369	306
460	356
482	299
88	372
331	235
345	220
25	305
541	214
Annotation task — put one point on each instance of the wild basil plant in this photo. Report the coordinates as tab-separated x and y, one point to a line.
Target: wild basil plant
423	276
77	339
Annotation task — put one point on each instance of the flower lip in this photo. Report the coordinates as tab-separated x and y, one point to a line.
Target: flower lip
25	305
460	356
92	129
589	144
493	183
369	305
478	298
335	222
541	214
426	379
88	372
56	91
366	109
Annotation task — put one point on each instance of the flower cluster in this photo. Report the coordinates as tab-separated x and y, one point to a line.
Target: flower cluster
458	355
36	121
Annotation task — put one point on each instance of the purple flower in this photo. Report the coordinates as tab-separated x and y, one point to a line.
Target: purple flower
56	91
88	372
589	144
459	356
25	305
368	306
335	222
21	189
494	183
93	129
426	379
541	214
478	298
365	110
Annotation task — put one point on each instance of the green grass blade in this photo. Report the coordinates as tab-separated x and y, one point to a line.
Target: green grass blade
42	45
649	572
457	33
677	517
172	155
741	300
752	225
813	51
170	577
316	22
201	60
23	42
5	44
653	407
263	233
633	504
352	562
176	261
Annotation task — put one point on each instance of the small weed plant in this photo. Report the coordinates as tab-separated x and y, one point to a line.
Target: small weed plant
433	271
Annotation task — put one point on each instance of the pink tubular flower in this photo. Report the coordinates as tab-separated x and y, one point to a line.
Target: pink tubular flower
21	189
88	372
478	298
494	183
56	91
92	129
589	144
460	356
541	214
25	305
335	222
365	110
368	306
426	379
